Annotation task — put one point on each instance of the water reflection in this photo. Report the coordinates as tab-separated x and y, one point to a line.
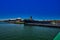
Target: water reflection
26	32
44	32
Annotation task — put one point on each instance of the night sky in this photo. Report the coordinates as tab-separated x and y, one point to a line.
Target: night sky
38	9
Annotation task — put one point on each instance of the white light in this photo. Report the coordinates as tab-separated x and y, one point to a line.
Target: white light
19	18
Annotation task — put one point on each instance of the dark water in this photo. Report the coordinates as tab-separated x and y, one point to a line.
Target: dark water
24	32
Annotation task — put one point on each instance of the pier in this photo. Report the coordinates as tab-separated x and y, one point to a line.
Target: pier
46	25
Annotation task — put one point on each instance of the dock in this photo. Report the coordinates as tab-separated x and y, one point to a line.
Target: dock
39	24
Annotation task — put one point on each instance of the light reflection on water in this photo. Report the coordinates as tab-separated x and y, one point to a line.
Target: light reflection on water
25	32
